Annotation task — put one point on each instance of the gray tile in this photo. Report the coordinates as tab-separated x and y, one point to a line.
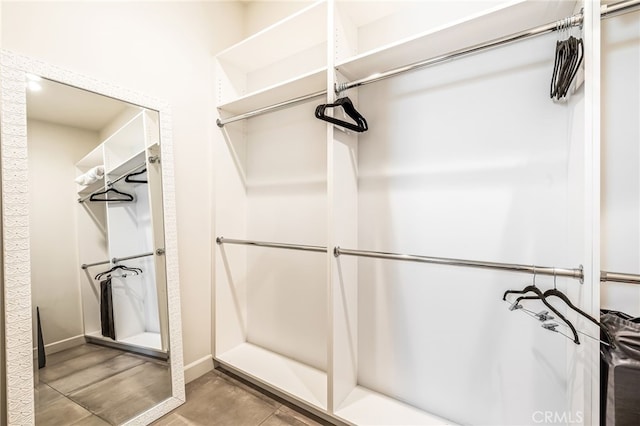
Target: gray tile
286	416
247	387
69	366
94	373
173	419
44	395
214	400
53	359
138	389
61	411
92	420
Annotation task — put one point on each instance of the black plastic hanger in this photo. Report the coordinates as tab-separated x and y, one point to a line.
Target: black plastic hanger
128	177
122	267
560	295
346	104
538	292
568	58
124	196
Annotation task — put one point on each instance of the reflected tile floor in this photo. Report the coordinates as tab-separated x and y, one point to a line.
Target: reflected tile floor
221	399
77	386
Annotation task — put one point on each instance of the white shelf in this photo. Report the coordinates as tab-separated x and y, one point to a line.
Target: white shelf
125	143
297	380
282	56
366	407
92	159
145	340
487	25
279	41
128	164
311	82
88	189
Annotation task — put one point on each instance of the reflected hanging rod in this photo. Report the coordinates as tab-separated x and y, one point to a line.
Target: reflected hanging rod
510	267
222	121
120	259
572	21
618	277
320	249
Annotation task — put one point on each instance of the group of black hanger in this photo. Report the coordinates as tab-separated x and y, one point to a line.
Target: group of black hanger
569	55
532	292
360	124
112	194
136	271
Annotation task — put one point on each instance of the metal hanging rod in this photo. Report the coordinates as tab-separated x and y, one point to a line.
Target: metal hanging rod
120	259
609	10
222	240
575	20
222	121
111	182
89	265
510	267
572	21
618	277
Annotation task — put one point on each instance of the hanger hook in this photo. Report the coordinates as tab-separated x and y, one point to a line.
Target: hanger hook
534	275
554	278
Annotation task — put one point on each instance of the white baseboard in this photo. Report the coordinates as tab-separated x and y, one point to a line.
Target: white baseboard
61	345
198	368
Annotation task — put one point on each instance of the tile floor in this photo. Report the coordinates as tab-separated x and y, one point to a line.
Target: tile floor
221	399
78	386
94	385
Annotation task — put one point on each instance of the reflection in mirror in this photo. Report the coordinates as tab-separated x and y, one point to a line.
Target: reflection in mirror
98	273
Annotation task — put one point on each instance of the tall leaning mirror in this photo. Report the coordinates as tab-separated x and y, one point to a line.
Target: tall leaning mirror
92	311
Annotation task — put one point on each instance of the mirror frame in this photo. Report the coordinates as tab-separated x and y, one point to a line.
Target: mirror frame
15	230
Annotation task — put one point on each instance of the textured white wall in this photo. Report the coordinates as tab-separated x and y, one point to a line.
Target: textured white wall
53	152
162	49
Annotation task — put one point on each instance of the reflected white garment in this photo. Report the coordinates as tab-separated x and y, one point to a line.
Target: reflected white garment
93	175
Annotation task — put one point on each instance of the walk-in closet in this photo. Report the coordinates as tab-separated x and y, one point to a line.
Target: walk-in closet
379	269
388	212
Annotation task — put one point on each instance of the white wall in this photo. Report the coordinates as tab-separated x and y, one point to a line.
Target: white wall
260	14
53	153
162	49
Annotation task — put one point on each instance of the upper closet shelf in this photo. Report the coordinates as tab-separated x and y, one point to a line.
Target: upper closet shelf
502	20
92	159
290	50
279	41
311	82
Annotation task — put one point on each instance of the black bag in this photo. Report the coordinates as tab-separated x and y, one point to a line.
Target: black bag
620	371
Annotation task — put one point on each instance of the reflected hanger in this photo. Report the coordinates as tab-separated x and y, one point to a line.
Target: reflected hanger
122	267
124	196
346	104
128	177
